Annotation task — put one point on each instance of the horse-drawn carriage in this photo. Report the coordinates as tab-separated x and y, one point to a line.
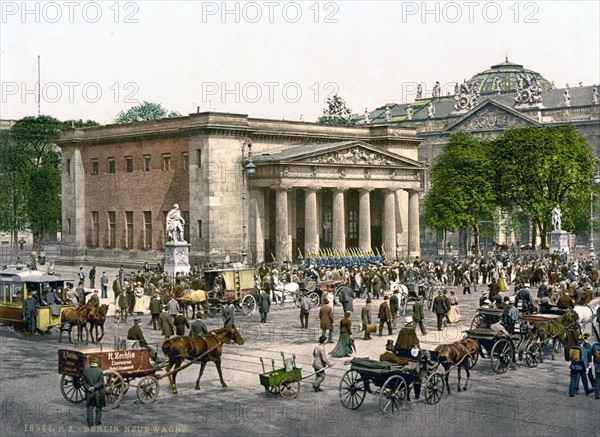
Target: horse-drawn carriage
231	285
120	368
411	292
16	285
393	381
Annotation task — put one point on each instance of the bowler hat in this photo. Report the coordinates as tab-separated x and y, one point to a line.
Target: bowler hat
137	320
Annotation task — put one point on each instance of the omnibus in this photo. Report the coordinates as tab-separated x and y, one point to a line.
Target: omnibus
17	284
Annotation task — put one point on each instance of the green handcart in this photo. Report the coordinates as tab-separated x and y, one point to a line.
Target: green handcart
284	381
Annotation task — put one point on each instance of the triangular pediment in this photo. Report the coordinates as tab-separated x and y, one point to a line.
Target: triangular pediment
354	153
491	115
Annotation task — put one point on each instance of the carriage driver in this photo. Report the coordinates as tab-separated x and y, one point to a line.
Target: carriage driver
135	333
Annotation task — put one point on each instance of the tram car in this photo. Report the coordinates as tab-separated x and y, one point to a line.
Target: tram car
17	284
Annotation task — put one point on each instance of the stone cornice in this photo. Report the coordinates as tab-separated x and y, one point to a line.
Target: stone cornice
235	124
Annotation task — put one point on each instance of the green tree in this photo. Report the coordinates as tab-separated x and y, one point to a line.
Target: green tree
336	113
538	168
144	112
462	187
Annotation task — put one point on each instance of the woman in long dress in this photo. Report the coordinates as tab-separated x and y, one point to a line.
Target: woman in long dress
502	282
139	299
343	348
454	313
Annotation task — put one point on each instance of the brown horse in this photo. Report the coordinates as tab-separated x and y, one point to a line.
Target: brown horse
198	349
457	354
96	319
555	330
76	317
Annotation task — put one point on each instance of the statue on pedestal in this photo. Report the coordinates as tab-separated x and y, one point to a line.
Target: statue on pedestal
175	224
557	218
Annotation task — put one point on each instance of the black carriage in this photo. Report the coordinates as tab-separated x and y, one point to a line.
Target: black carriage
486	317
393	381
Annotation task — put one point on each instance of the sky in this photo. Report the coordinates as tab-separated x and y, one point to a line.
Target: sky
275	59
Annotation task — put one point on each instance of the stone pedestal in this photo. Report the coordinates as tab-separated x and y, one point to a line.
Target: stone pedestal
559	242
177	258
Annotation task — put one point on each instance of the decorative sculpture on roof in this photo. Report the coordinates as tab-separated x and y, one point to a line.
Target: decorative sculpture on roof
437	90
388	114
498	85
567	97
419	92
529	90
367	117
594	95
409	112
466	99
353	156
430	110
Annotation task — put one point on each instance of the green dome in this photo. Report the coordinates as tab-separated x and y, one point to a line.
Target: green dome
508	74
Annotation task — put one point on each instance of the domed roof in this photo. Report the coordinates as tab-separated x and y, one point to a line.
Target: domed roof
508	74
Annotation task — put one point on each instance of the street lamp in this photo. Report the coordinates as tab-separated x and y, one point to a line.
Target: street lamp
248	170
595	182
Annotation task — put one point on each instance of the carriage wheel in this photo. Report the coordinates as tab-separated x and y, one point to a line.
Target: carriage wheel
352	390
434	388
533	354
71	389
473	357
478	322
392	394
115	389
289	387
501	355
315	300
148	389
248	304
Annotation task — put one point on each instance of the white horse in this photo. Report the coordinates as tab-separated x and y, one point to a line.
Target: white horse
403	297
282	290
587	316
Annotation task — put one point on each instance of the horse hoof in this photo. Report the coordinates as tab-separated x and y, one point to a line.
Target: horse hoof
197	388
223	385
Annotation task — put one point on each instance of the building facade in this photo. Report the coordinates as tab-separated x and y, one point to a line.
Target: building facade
312	188
505	96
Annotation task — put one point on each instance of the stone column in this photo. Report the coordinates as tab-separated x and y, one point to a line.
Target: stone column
414	247
257	225
311	230
339	220
389	222
364	217
282	249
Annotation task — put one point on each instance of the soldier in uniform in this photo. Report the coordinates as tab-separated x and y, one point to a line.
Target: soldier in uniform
595	358
94	299
580	362
92	380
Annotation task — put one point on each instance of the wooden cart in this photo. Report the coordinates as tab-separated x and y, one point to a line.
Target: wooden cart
120	367
284	381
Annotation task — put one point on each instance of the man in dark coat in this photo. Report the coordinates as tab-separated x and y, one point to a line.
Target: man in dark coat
92	380
440	308
385	316
418	316
228	319
346	297
264	303
29	307
135	333
305	305
181	322
92	277
165	323
365	315
155	310
394	307
326	319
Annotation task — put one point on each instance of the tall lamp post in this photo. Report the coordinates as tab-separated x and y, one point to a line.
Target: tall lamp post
248	170
596	182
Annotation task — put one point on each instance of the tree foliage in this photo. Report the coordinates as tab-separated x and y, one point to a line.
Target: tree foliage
336	113
145	111
538	168
462	192
30	175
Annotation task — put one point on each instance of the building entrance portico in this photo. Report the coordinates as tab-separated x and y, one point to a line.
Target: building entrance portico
335	198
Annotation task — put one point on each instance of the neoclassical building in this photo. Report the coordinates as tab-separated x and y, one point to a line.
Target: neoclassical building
505	96
249	189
